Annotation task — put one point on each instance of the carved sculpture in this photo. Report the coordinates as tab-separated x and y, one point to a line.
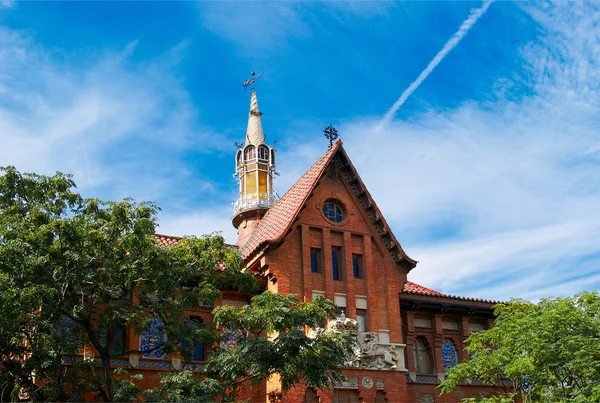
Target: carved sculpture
369	353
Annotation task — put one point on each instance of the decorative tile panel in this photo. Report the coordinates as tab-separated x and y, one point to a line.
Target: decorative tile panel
475	327
449	357
420	322
151	338
427	378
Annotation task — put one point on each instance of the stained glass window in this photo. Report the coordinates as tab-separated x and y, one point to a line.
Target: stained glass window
333	212
154	336
449	357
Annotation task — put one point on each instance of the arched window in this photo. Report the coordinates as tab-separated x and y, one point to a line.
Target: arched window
421	356
238	158
263	153
249	153
333	211
272	156
449	357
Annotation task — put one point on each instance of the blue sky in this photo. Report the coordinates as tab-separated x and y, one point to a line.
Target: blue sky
488	174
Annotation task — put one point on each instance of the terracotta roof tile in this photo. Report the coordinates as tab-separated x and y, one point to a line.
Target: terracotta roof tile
166	240
416	289
279	218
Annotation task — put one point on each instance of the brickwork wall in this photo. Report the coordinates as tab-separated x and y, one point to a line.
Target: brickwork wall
290	262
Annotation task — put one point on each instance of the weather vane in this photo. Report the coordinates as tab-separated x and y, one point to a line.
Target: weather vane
252	80
331	134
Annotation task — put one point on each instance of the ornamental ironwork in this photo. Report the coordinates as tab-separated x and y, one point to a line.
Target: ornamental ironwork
254	200
331	134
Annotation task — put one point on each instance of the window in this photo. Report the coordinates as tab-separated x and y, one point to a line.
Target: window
361	318
335	264
315	260
249	153
117	346
263	153
345	396
421	356
333	211
449	357
357	266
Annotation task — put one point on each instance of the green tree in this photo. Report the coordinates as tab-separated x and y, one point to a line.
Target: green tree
544	352
75	272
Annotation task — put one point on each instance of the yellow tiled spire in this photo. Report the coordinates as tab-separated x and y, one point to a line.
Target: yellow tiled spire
254	132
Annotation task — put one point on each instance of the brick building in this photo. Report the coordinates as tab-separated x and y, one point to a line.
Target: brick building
326	236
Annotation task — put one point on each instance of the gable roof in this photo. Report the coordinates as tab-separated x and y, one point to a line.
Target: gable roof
278	220
280	216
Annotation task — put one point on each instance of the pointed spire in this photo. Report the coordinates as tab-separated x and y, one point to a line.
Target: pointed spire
254	132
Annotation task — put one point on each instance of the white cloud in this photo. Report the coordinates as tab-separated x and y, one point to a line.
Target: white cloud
96	116
7	4
121	127
500	200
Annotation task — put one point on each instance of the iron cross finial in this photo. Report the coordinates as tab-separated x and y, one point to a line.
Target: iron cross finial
253	79
331	134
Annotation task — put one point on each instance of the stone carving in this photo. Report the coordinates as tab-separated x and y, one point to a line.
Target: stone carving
367	382
426	398
380	384
349	382
369	353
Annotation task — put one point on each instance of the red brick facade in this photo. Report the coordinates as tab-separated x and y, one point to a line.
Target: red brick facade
384	267
278	247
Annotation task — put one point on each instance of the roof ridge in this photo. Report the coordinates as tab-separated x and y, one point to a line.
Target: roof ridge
417	289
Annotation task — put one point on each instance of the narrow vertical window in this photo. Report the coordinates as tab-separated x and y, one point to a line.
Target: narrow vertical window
361	318
198	353
315	260
357	266
421	357
335	265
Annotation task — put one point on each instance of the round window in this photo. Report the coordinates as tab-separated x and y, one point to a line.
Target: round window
333	211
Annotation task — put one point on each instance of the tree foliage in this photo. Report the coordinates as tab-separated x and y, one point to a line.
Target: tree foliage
544	352
75	272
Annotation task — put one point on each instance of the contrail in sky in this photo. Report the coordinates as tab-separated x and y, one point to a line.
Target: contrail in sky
456	38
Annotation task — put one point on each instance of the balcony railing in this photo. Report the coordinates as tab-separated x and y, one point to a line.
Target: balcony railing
254	200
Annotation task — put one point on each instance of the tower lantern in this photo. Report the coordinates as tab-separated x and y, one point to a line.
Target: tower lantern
255	166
